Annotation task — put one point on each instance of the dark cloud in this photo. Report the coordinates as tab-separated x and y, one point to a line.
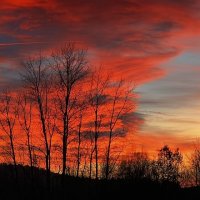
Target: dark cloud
133	117
166	26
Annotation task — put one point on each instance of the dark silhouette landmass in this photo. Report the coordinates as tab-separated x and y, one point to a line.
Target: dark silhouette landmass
25	187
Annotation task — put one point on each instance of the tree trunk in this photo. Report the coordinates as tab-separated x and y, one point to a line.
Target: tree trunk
30	155
96	142
13	155
108	155
65	136
42	118
79	148
90	171
64	154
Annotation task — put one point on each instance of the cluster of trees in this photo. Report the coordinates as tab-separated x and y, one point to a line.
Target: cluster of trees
165	168
65	115
168	167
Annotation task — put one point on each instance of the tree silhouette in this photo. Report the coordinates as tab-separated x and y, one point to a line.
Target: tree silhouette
98	99
8	118
195	165
25	115
136	167
70	65
36	77
119	104
168	164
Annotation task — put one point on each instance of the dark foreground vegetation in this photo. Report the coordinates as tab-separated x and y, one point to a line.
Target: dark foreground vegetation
83	188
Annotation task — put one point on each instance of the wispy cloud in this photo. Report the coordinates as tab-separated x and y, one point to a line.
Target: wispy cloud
19	43
130	37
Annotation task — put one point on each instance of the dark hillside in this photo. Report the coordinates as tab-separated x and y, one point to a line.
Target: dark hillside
82	188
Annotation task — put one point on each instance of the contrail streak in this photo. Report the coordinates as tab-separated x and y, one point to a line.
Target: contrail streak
19	43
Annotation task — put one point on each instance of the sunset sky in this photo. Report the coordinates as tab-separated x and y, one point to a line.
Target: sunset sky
153	43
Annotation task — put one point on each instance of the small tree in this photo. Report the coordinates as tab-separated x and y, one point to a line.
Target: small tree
168	164
136	167
195	165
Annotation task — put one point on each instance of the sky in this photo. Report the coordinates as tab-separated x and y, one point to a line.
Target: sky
153	43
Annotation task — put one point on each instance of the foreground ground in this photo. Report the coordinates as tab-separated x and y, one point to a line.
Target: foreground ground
81	188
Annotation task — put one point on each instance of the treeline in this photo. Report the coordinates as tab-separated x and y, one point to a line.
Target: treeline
156	178
168	167
66	116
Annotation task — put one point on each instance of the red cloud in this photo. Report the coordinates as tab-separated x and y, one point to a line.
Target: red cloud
130	37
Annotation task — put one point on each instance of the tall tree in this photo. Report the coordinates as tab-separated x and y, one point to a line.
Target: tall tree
71	68
98	98
119	104
8	116
25	115
37	80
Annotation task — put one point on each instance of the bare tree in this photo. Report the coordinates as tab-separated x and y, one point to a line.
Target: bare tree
71	67
8	116
37	80
119	105
25	113
82	108
98	98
